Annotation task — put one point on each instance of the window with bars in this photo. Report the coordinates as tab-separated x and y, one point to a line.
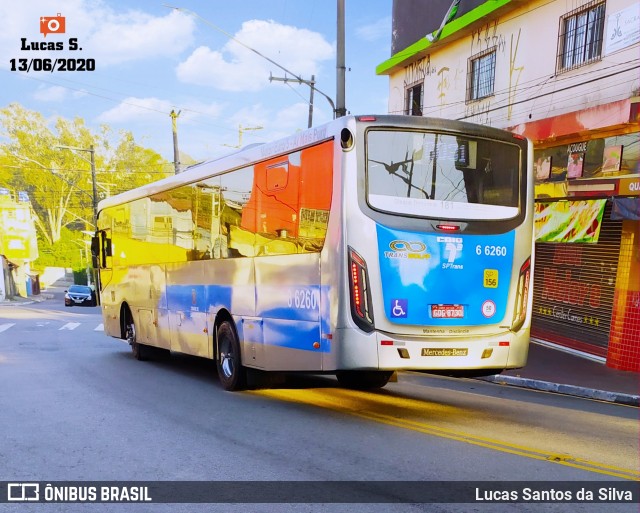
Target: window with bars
481	75
580	36
413	100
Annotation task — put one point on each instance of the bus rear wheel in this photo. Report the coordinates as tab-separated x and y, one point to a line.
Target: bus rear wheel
231	373
363	380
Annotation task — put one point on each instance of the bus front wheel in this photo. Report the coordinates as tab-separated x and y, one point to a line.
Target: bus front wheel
140	351
231	373
363	380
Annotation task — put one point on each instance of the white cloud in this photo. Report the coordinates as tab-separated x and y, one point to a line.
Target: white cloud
293	117
236	68
134	109
135	36
105	35
141	109
375	31
51	94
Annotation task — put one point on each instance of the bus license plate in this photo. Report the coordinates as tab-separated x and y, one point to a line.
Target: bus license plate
445	351
447	311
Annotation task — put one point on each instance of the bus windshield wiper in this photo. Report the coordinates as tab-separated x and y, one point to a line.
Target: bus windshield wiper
394	169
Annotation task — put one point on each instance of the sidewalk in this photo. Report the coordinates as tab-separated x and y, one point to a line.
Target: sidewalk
19	300
555	370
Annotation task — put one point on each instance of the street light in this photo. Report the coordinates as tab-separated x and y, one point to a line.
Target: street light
94	198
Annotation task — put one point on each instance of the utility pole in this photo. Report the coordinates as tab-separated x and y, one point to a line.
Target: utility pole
92	162
341	109
94	191
311	83
242	130
176	152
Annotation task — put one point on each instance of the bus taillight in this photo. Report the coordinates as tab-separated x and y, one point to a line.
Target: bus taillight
522	296
361	308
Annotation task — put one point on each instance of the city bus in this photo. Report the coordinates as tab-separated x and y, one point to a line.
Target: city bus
358	248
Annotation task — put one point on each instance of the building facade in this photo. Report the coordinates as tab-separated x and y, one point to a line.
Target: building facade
566	74
18	242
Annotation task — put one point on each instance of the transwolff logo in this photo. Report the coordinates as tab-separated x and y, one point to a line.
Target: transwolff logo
407	249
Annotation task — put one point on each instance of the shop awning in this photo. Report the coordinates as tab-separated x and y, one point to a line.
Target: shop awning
626	208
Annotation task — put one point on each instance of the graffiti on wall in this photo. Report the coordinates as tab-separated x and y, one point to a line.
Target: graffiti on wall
479	112
487	37
418	71
514	72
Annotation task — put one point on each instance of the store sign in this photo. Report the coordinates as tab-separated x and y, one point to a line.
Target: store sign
623	28
569	221
629	186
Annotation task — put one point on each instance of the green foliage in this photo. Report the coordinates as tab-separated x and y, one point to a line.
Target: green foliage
69	251
80	277
59	181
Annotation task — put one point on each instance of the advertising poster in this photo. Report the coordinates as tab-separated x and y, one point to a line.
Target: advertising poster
569	221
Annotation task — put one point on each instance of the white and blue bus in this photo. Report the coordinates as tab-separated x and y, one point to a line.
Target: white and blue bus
358	248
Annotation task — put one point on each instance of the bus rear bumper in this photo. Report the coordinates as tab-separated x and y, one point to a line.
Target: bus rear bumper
382	351
500	351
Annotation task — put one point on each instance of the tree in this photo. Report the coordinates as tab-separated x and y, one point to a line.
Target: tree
132	165
58	181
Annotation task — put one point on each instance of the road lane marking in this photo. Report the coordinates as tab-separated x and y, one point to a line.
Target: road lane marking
100	327
69	326
361	404
5	327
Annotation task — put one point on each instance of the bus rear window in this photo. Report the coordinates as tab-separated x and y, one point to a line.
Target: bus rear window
431	174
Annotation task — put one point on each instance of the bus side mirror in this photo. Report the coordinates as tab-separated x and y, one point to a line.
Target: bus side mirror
95	251
107	247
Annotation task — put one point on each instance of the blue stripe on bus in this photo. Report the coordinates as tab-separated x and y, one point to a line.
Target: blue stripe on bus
292	316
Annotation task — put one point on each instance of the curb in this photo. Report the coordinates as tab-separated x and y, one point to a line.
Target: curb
559	388
24	301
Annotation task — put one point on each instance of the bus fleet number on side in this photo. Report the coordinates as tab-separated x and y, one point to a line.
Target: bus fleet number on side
491	250
304	299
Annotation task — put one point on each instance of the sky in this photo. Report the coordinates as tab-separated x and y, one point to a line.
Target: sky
191	56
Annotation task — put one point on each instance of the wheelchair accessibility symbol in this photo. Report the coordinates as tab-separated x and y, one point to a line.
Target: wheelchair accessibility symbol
399	308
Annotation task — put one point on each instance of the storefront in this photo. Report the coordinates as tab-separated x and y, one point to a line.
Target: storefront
587	274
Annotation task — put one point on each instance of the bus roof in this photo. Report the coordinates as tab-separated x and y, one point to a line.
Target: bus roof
259	152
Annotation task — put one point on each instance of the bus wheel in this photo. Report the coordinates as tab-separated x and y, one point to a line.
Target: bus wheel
139	351
363	380
230	371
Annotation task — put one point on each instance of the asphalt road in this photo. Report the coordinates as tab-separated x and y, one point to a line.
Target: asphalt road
76	406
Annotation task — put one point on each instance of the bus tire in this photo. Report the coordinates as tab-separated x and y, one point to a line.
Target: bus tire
363	380
140	351
231	373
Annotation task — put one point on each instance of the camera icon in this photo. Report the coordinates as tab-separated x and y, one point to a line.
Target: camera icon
52	24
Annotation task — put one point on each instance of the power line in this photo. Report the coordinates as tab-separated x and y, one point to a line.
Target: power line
196	15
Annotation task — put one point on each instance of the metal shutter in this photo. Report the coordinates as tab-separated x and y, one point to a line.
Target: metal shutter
574	287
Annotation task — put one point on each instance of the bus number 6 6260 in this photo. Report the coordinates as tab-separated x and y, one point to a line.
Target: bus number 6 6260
304	299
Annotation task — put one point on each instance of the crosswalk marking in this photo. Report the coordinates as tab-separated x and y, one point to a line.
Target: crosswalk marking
5	327
70	326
